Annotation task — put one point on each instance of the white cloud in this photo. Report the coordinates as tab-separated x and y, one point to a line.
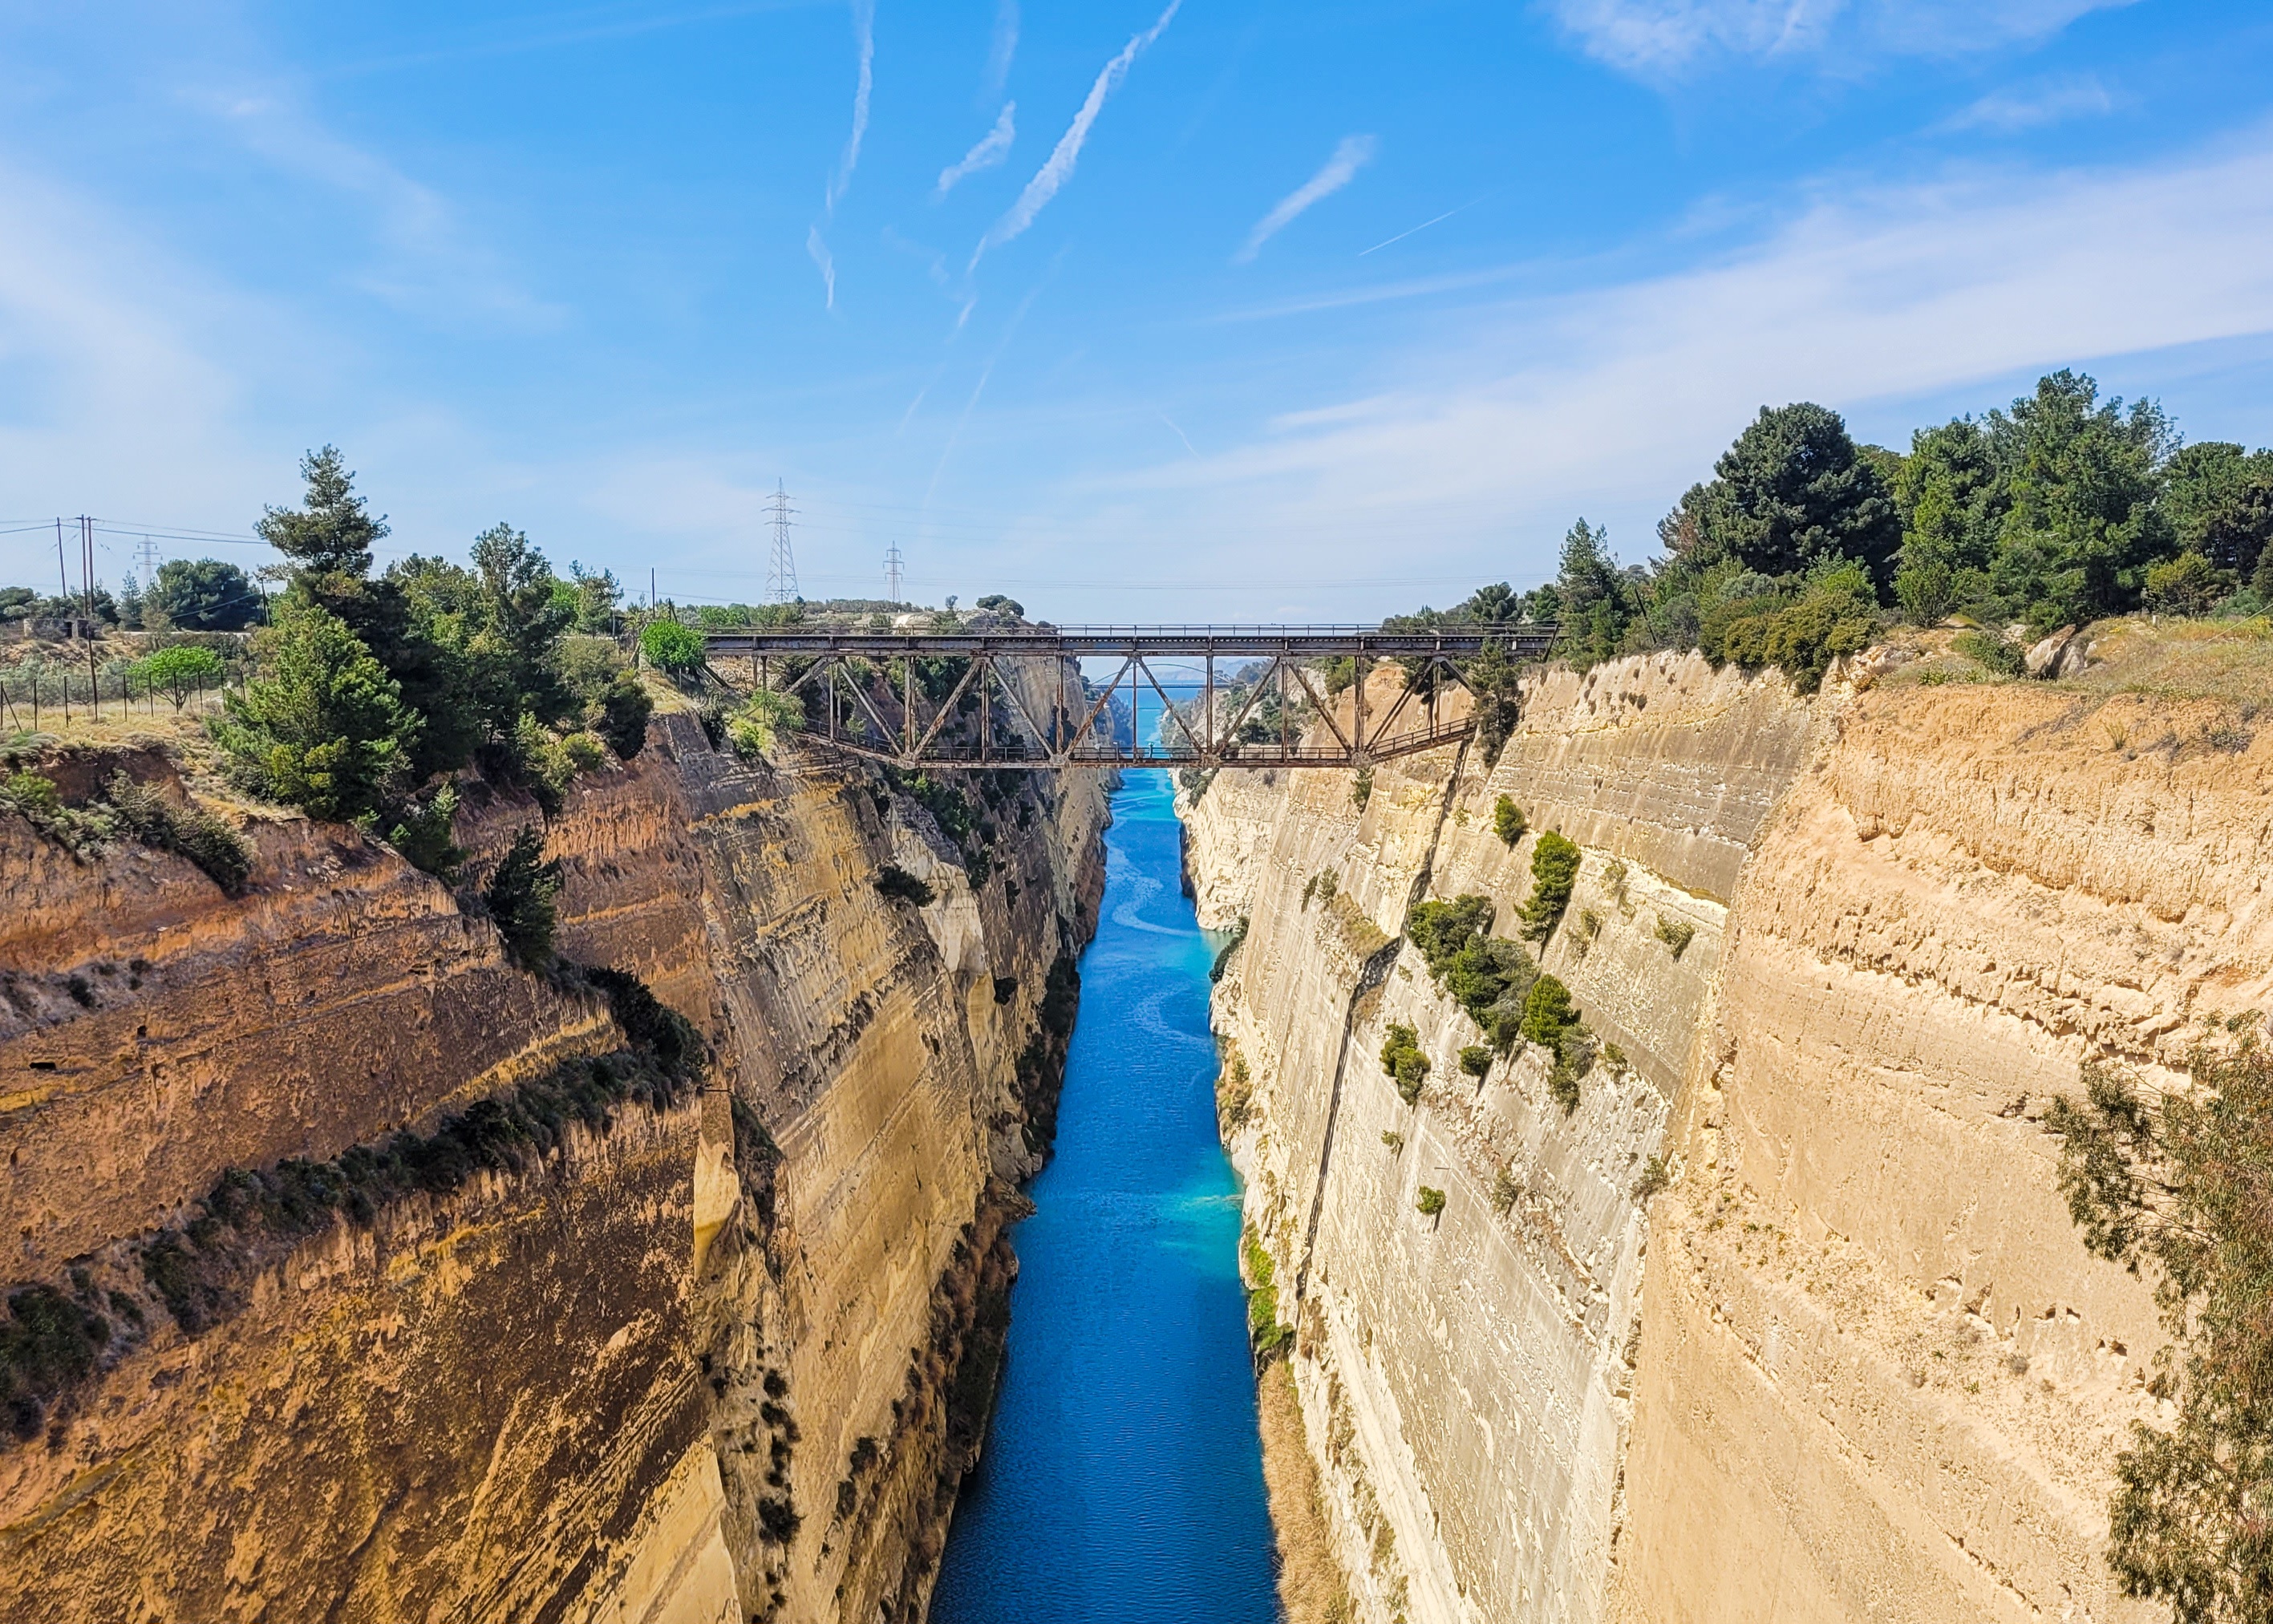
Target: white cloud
1057	169
1610	400
1335	173
2032	106
815	247
863	40
991	148
1662	38
423	260
1000	49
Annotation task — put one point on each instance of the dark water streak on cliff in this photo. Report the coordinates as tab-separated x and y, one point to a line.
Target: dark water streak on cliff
1122	1481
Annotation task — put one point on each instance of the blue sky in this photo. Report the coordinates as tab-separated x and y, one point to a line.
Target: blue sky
1227	309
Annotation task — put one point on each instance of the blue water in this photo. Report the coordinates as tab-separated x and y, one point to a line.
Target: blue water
1122	1481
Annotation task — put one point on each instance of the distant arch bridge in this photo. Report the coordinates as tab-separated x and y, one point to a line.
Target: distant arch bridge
1015	698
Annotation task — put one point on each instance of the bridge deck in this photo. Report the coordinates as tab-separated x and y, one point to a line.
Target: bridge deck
1530	641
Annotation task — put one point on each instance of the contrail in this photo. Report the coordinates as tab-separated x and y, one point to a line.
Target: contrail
1339	170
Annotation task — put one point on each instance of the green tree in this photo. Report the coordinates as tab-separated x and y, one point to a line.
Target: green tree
2084	520
529	615
521	898
1793	491
1495	682
324	728
1953	498
1508	821
334	532
1554	874
672	647
179	671
202	594
2219	500
1594	598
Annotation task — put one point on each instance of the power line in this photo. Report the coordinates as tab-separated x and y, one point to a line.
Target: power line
781	576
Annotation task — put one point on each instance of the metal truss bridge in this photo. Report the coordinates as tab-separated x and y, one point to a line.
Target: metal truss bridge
1245	697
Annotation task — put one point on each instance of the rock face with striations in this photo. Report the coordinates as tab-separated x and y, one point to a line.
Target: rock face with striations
1852	1362
714	1353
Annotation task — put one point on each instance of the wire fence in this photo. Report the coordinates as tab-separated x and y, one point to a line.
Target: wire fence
40	695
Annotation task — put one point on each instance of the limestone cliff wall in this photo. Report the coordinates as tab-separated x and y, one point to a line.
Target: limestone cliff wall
1854	1363
721	1359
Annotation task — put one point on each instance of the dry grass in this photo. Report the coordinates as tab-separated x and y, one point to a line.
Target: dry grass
2229	660
1310	1585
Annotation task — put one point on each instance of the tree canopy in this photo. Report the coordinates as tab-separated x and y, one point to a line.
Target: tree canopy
201	594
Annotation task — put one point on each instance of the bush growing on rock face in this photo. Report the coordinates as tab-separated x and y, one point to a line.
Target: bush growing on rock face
758	725
897	883
2187	1521
1508	821
1554	874
521	898
1676	934
1485	973
1476	1060
189	830
1402	1059
1430	1202
421	834
1548	1012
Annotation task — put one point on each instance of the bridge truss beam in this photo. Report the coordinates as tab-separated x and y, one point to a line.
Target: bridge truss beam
1014	703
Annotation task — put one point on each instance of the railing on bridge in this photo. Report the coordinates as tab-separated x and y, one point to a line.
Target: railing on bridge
1014	698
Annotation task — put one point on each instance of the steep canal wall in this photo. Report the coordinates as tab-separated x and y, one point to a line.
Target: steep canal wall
647	1350
1785	1318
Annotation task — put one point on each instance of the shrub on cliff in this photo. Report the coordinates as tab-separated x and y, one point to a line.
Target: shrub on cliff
1430	1201
1482	972
1508	821
1268	1338
897	884
421	834
758	725
1798	628
49	1343
1402	1059
1554	874
189	830
521	898
2188	1517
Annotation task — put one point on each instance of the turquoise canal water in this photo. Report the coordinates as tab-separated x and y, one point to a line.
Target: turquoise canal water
1122	1480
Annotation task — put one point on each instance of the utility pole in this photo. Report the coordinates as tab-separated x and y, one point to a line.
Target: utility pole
60	573
892	563
146	556
781	574
86	580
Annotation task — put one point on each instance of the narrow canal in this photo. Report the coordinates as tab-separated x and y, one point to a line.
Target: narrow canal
1122	1480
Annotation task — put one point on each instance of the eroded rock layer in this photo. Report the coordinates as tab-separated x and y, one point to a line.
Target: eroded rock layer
1852	1361
714	1355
